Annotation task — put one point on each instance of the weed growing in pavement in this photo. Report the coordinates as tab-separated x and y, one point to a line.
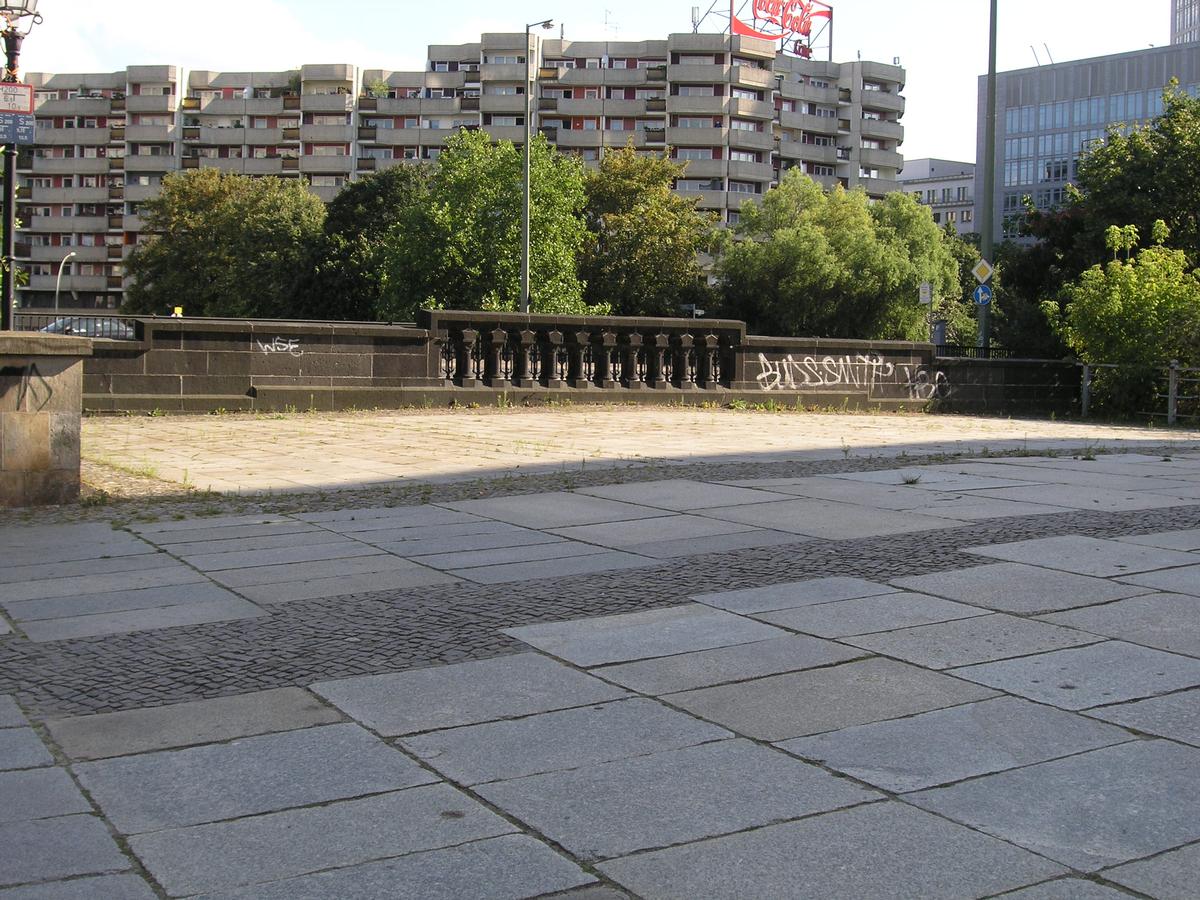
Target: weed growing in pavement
156	413
846	449
99	498
737	403
911	479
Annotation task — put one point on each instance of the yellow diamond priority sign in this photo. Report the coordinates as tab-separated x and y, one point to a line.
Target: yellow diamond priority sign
983	271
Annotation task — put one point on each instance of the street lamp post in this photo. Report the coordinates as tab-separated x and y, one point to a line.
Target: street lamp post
529	81
58	281
12	12
987	230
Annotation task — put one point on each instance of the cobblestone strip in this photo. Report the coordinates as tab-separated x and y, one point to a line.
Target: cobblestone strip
305	641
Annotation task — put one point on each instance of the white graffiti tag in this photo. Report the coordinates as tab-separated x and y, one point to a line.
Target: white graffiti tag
289	346
869	372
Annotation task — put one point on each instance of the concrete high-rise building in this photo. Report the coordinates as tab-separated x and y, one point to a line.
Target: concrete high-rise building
947	187
1185	21
1048	116
734	109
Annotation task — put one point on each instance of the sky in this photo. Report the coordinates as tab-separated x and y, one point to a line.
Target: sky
941	43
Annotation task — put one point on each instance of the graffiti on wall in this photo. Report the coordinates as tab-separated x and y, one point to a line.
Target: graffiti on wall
33	390
864	371
290	346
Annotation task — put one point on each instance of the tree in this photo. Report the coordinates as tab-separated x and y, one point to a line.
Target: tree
348	268
461	247
223	245
1142	312
833	264
642	256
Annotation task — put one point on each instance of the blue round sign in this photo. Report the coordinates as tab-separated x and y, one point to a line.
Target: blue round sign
983	295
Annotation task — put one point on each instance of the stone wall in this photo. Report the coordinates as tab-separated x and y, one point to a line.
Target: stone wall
202	365
41	379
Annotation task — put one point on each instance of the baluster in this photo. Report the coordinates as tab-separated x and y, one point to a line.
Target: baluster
465	363
493	370
551	344
633	370
683	371
658	363
526	363
708	365
579	353
607	359
448	359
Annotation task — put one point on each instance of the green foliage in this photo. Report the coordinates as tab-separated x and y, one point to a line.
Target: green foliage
347	271
1141	312
379	88
642	253
833	264
223	245
461	248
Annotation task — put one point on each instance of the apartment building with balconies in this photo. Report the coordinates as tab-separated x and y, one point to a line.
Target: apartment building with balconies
736	111
947	187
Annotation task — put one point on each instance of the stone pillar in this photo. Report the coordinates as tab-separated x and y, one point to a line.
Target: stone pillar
579	374
657	349
41	404
631	345
684	345
603	346
493	372
526	377
552	342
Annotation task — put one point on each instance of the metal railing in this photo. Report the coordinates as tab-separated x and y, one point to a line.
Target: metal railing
1176	387
109	326
967	351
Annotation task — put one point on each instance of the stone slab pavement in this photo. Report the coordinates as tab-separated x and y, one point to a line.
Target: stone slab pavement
863	683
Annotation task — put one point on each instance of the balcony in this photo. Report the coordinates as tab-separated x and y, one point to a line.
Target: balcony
79	106
76	166
325	192
738	200
513	133
696	106
884	131
260	166
708	199
883	73
67	137
809	152
698	74
430	137
289	135
115	282
883	101
506	104
263	137
433	106
702	168
803	122
578	138
291	102
503	72
150	103
115	223
697	137
240	107
366	164
132	223
797	91
190	162
327	102
341	134
116	163
753	77
69	282
191	104
70	195
116	134
628	109
367	133
751	140
149	163
591	106
113	251
222	137
334	165
368	104
751	171
656	73
656	104
468	104
148	134
138	192
407	106
392	137
877	187
289	164
881	159
654	137
57	254
65	224
751	109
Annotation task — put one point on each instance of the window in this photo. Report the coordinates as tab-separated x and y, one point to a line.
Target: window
937	218
695	184
440	66
814	169
328	150
816	140
744	156
374	152
746	94
696	90
745	125
328	180
617	63
968	215
694	122
331	120
744	187
504	61
734	217
694	153
502	89
694	60
507	121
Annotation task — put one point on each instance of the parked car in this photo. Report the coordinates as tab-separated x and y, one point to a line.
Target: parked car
94	327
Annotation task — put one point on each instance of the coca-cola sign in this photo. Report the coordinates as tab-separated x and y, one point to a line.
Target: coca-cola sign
779	20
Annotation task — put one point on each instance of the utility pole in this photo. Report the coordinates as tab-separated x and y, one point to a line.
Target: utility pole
987	233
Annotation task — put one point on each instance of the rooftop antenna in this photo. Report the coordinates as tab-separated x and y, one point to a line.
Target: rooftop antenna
695	19
609	24
1048	56
1035	56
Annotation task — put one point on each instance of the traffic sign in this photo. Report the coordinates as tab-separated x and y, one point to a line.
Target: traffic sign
983	295
926	293
983	271
16	98
16	128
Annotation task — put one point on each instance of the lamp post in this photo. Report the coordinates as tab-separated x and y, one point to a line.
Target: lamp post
987	231
58	281
529	81
12	12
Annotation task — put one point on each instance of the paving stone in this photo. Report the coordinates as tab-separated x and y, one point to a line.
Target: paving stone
99	584
1018	588
1082	677
659	632
869	614
681	494
800	703
1087	811
159	529
973	507
1175	716
21	748
555	568
859	493
632	535
109	887
426	544
10	714
828	519
39	794
199	613
1166	621
793	594
703	668
464	694
118	565
57	848
934	478
176	539
1184	580
875	852
1086	555
117	601
511	867
5	628
718	543
1171	876
967	641
27	537
615	808
952	744
555	510
252	775
308	537
313	588
1067	889
381	533
1187	540
300	841
217	562
124	546
1076	496
507	555
565	739
314	571
186	724
387	517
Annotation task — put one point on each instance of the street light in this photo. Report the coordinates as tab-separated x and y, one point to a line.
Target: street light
546	24
12	11
58	281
